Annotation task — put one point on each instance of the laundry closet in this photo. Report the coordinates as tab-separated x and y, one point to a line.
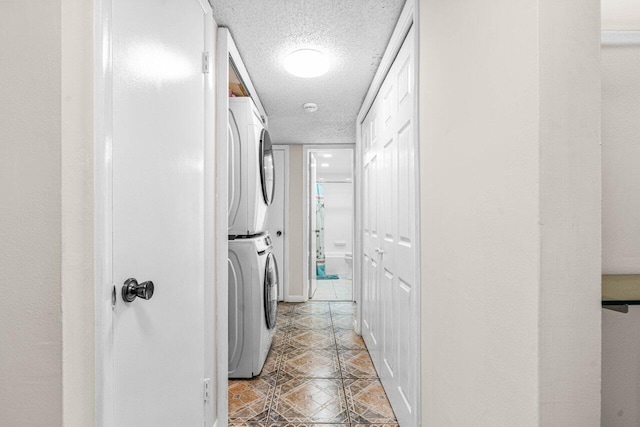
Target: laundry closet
252	267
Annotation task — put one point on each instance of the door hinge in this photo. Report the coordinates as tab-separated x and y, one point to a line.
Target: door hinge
206	389
205	62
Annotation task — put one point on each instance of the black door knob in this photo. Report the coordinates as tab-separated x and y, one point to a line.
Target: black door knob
278	233
132	289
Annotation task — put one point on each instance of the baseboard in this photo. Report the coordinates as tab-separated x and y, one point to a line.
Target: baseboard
295	298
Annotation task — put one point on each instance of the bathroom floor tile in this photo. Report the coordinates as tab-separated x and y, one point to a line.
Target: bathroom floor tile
342	321
356	364
314	358
313	308
375	425
286	307
275	424
309	400
343	296
368	403
311	321
312	363
342	308
311	338
349	340
325	296
280	338
250	400
272	364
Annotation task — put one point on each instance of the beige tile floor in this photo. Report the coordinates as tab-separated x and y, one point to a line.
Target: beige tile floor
318	374
333	290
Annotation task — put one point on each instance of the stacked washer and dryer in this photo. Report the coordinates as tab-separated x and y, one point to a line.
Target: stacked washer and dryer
253	272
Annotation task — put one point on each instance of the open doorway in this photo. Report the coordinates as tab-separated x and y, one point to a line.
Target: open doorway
315	351
330	215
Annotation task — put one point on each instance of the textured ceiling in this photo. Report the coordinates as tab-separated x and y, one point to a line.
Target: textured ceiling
353	33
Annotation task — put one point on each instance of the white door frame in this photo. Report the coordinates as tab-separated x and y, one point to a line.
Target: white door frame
103	203
408	18
103	213
284	272
306	222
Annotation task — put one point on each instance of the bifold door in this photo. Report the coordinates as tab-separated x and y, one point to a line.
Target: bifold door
389	305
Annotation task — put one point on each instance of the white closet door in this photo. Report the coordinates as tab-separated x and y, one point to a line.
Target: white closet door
389	305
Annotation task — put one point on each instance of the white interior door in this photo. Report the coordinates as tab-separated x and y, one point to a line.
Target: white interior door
313	233
276	217
390	307
158	211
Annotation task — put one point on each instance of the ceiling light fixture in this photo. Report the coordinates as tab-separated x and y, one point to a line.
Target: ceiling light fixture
306	63
327	155
324	165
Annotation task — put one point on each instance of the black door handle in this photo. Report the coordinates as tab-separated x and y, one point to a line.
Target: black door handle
132	289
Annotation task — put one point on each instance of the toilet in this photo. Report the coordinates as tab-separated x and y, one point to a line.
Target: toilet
348	258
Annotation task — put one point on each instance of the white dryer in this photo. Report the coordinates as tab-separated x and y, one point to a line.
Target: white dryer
253	303
251	169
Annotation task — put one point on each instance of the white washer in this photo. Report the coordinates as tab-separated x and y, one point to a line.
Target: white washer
251	174
253	303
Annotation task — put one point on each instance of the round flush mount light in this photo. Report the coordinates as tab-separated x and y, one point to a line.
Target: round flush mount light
310	107
306	63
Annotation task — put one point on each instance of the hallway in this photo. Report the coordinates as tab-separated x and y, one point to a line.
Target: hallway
318	372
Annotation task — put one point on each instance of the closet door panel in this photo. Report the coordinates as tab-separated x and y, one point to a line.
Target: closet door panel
405	245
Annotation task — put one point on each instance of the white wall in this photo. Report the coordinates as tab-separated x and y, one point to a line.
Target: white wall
570	213
621	368
620	159
77	214
30	214
620	213
46	181
510	211
620	15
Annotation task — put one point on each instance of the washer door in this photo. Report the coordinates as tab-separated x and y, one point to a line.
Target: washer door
271	291
267	173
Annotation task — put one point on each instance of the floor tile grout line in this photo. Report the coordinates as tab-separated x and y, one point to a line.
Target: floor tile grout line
344	389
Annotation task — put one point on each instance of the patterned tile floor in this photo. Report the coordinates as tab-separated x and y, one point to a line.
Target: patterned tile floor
318	374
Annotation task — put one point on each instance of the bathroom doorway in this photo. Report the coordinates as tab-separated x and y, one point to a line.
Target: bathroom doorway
330	219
